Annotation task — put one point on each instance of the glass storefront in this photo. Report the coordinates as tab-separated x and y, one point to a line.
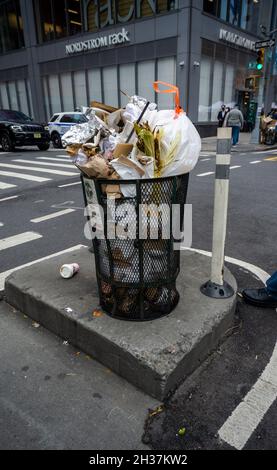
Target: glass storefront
60	18
245	14
57	18
225	78
16	95
11	27
67	91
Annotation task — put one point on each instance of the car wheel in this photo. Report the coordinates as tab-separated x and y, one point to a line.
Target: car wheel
56	139
43	146
6	143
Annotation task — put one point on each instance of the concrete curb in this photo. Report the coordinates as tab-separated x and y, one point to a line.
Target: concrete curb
154	356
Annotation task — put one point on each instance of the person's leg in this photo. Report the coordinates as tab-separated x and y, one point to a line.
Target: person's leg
235	135
271	285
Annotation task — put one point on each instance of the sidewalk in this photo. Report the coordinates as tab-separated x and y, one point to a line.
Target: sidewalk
244	145
53	396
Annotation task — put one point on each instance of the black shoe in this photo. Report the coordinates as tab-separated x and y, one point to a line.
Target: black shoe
259	297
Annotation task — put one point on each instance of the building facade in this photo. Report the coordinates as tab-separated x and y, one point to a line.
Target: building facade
56	55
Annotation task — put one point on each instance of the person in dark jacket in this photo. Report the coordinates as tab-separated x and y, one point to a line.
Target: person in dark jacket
221	115
264	297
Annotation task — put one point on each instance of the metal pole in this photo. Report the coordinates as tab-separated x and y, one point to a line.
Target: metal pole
216	287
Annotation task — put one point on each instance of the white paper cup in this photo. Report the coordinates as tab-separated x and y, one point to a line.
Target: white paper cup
68	270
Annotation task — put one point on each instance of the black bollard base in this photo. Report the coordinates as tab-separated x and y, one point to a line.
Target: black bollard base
216	291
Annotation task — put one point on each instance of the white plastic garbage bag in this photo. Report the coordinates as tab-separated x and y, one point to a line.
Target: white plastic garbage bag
180	139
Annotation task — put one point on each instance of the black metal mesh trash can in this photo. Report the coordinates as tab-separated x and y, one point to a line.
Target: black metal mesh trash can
137	276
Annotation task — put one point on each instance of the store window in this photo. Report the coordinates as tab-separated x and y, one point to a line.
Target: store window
204	89
66	89
146	77
127	82
245	14
225	78
15	95
110	86
54	94
11	27
94	85
58	18
80	88
166	72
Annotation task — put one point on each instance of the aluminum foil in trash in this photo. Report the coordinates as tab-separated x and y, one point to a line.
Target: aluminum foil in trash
81	133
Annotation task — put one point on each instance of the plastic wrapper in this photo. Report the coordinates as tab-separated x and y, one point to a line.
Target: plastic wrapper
134	108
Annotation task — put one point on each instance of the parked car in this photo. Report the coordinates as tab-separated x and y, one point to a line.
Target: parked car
60	123
17	129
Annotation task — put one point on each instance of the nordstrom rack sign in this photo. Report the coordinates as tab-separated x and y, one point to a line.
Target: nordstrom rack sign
233	38
102	41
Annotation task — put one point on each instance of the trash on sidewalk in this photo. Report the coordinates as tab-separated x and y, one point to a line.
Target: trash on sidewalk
182	432
69	270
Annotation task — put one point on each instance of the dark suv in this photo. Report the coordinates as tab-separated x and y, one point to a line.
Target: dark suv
17	129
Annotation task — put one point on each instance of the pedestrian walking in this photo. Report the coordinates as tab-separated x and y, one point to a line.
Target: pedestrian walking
234	119
264	297
221	116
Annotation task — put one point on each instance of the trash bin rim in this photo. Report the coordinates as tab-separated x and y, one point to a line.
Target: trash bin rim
132	181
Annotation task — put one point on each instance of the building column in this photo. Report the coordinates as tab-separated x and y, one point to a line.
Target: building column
30	38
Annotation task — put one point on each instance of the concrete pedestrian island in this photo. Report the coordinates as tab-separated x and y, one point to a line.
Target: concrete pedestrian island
155	355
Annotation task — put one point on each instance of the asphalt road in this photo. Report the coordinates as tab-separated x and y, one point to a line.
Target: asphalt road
208	398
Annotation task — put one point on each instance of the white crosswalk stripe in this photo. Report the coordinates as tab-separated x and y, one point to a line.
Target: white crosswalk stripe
62	165
24	176
52	216
54	159
42	170
6	185
19	239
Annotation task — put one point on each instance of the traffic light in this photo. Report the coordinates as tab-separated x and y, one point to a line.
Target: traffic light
260	59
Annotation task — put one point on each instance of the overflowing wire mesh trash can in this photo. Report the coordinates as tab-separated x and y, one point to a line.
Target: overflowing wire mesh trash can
137	276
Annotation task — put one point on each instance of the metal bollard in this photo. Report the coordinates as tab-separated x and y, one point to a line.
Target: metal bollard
216	287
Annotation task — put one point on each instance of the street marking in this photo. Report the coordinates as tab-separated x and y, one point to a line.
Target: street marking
1	224
245	418
24	176
206	174
62	165
70	184
7	186
235	166
241	424
8	198
255	161
18	239
51	216
5	274
53	159
272	159
258	272
42	170
204	159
